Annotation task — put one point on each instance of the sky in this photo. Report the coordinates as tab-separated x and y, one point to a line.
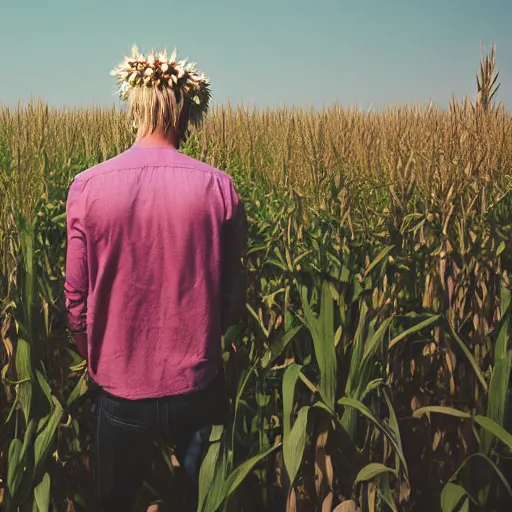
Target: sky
266	53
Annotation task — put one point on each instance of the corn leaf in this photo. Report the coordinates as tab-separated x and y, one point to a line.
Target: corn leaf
290	378
44	440
376	340
414	329
451	498
25	374
78	390
293	437
355	377
382	254
470	357
360	407
441	409
20	464
385	492
14	467
295	443
358	374
322	332
498	472
45	387
237	476
26	237
499	384
278	346
495	429
393	425
371	471
212	473
42	494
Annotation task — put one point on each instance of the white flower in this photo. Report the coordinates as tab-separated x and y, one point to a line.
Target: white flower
180	71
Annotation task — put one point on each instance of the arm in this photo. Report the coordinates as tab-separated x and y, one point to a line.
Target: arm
76	285
234	283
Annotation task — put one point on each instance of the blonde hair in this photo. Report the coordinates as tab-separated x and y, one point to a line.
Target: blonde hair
153	107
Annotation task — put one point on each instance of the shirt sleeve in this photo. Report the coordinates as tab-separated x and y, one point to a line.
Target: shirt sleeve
234	282
76	283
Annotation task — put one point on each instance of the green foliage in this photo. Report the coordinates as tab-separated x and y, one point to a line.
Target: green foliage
377	343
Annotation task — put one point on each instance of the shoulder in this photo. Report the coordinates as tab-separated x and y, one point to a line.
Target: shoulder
110	165
224	179
232	202
192	163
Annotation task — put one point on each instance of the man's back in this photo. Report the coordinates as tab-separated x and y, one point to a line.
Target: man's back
160	231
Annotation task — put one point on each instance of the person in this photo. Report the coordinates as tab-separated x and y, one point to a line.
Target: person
154	277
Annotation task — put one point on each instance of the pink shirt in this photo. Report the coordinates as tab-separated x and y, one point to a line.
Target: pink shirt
153	270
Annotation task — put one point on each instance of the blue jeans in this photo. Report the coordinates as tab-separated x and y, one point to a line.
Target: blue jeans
127	429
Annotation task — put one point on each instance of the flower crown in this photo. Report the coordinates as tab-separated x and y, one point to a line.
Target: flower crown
164	72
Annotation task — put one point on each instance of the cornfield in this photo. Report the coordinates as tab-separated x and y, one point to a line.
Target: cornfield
372	368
